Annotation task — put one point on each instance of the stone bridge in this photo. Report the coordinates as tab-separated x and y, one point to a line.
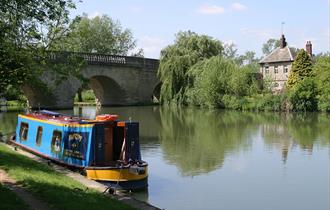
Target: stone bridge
115	80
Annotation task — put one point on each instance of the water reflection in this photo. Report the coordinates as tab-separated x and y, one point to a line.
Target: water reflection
289	131
197	141
8	122
224	154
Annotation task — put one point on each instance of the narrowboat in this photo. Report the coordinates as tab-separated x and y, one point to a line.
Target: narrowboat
105	149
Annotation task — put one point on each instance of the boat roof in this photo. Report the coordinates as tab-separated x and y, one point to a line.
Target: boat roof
63	119
55	117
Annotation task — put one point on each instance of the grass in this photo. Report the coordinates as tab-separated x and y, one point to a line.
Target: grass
9	200
54	188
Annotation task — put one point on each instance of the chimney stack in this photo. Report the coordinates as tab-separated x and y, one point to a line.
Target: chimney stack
309	48
282	41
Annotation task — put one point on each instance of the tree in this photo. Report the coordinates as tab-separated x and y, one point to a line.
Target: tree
97	35
218	80
270	45
176	59
248	58
301	69
22	36
322	78
230	51
303	96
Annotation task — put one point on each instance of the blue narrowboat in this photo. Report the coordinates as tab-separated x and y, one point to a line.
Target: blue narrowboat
105	149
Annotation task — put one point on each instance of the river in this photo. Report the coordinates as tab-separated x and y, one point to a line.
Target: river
204	159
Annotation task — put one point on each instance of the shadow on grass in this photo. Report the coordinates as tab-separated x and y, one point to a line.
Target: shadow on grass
9	200
58	190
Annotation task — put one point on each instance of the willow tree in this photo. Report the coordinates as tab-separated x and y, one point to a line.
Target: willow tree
175	60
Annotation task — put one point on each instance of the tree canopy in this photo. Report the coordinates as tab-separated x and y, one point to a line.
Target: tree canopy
301	68
176	59
322	78
22	36
270	45
100	34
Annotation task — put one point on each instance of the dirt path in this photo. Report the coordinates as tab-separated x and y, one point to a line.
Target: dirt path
26	196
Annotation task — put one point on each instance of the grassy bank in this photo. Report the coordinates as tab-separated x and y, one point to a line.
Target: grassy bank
12	106
9	200
54	188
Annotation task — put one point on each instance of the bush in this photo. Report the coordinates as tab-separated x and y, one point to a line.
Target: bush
265	102
322	75
210	81
219	82
233	102
303	96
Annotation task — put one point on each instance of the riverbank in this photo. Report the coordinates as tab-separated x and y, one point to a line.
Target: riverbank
52	187
12	106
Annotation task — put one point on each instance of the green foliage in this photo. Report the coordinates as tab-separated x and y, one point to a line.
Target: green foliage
176	59
219	82
22	39
301	69
270	45
265	102
322	78
248	58
100	34
303	96
230	51
210	80
86	96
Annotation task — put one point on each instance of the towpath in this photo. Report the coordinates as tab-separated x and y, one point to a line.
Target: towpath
19	190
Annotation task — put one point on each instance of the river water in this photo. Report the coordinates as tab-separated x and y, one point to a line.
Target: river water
202	159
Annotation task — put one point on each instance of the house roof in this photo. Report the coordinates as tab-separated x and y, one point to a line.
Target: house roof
279	55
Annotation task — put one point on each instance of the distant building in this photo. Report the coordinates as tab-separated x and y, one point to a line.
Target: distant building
277	65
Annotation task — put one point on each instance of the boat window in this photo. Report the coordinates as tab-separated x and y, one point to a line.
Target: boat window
23	133
56	141
39	136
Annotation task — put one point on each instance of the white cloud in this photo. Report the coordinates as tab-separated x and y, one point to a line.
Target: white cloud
238	6
152	45
93	15
211	10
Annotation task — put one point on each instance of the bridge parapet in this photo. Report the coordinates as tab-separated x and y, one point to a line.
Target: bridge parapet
104	59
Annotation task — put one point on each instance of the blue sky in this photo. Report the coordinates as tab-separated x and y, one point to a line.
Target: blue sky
247	23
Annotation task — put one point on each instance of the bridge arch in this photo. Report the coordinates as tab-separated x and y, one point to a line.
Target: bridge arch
37	97
107	91
156	92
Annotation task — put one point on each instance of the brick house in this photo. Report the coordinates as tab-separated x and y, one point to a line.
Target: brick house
277	65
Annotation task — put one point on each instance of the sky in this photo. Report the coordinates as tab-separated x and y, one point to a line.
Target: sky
246	23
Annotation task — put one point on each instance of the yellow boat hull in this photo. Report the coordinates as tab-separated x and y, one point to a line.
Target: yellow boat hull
127	178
